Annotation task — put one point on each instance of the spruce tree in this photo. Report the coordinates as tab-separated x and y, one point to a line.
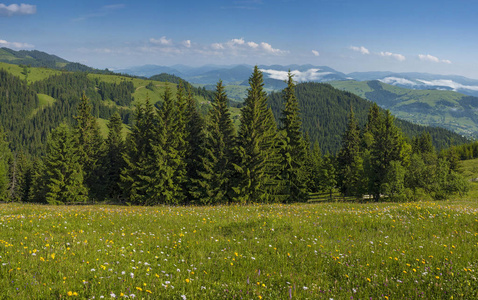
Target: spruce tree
293	149
139	156
313	167
386	145
217	169
38	188
63	172
328	175
5	159
195	149
89	144
349	160
112	161
257	140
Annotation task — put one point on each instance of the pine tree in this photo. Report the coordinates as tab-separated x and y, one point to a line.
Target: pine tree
63	171
89	144
217	169
169	152
19	177
387	145
328	175
112	161
257	152
140	157
350	163
313	167
293	149
195	149
5	159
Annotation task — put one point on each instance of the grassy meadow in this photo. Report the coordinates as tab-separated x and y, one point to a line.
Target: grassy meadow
304	251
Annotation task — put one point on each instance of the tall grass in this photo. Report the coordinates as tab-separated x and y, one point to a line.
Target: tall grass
341	251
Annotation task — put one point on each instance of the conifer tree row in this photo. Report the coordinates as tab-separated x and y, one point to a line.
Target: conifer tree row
173	156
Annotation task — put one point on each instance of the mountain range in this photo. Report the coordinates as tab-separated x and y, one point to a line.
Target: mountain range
274	76
425	99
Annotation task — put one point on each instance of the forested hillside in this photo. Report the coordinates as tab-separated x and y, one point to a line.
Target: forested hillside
64	142
324	112
35	58
31	107
433	107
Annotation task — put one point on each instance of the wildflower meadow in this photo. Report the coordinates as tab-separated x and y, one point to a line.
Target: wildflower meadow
302	251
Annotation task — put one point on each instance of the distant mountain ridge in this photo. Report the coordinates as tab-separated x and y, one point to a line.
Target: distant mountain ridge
276	74
448	109
35	58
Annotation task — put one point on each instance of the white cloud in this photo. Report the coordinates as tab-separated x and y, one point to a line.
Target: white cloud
428	57
309	75
397	80
252	45
217	46
235	42
449	83
361	49
15	45
240	46
161	41
15	9
396	56
268	48
431	58
187	43
315	52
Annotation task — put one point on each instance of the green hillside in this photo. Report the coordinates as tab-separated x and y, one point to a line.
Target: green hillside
446	109
324	110
30	111
53	97
35	74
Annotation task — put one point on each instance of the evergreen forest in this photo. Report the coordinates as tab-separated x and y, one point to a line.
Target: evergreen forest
310	139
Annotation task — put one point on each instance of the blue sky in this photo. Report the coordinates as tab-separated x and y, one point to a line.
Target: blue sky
347	35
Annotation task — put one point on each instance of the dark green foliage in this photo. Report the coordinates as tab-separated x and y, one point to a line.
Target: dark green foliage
257	152
17	102
293	149
163	77
62	179
89	145
195	149
423	144
217	169
37	58
5	159
393	183
19	177
328	175
324	112
112	162
313	166
118	93
386	146
350	162
139	155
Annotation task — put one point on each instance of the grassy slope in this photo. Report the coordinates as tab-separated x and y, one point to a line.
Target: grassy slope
441	115
303	251
36	74
43	101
